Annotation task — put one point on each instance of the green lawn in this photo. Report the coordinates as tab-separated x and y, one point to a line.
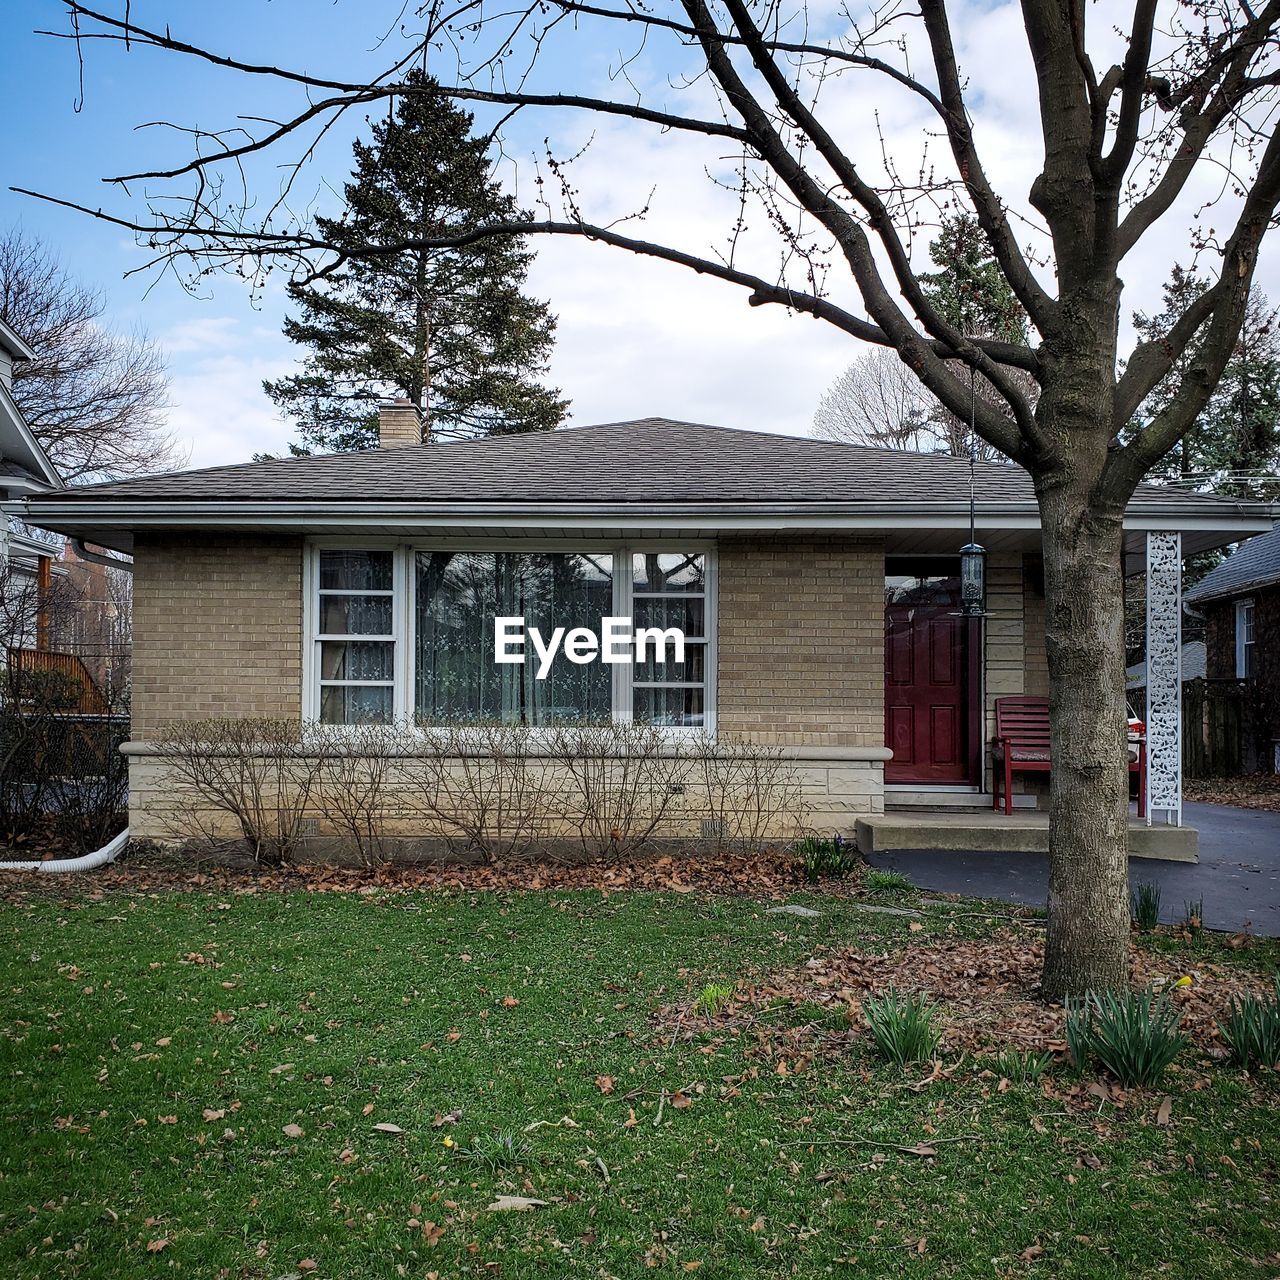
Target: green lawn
157	1046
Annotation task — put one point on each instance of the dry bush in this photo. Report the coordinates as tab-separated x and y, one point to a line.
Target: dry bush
484	787
621	783
751	791
258	772
357	764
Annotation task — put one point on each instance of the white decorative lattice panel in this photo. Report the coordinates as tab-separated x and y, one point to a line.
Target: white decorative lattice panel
1164	675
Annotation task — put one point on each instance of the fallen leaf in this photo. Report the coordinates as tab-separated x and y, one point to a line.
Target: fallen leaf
367	1109
387	1127
281	1069
167	1119
1031	1253
920	1149
1165	1111
210	1114
604	1084
154	1246
509	1002
165	1041
293	1131
308	1264
515	1203
680	1100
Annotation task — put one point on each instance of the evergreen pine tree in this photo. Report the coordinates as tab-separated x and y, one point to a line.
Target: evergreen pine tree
451	330
1234	446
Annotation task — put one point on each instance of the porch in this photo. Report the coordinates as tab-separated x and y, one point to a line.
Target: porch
945	676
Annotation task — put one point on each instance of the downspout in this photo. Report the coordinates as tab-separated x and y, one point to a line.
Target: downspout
63	866
96	557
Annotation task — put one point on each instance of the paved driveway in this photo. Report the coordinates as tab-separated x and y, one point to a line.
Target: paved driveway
1238	874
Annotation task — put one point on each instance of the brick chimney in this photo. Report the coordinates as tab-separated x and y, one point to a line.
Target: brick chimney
399	424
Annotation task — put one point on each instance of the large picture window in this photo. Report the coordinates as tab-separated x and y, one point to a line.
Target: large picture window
459	594
408	633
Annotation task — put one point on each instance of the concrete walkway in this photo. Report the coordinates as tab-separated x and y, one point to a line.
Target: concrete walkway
1238	874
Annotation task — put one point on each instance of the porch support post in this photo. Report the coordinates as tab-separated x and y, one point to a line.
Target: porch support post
1164	676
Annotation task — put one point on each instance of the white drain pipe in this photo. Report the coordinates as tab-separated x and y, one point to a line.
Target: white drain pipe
63	866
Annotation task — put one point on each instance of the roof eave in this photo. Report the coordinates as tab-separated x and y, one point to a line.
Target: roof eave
65	508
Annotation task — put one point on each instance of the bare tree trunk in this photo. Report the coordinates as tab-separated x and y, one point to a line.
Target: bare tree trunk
1087	943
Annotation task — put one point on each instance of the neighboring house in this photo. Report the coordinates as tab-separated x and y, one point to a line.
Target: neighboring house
1193	667
41	598
1240	602
24	468
817	583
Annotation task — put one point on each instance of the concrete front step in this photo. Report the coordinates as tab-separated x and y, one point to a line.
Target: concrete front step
1018	832
924	801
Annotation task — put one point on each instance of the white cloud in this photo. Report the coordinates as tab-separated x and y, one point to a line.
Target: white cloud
218	406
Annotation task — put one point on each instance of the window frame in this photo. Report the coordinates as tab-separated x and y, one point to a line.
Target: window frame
1246	616
404	612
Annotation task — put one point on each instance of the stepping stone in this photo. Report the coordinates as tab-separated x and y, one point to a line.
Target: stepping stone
793	909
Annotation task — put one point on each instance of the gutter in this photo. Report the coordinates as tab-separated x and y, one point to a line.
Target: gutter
96	557
66	866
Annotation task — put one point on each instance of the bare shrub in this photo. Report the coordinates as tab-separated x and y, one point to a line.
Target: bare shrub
750	791
484	787
621	783
357	763
257	772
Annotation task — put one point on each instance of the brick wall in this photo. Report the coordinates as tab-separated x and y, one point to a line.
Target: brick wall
1220	660
1016	659
217	628
801	641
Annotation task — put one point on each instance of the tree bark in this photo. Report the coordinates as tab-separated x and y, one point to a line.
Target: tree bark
1088	935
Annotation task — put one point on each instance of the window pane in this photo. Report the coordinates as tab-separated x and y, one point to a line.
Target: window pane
687	613
355	615
356	660
669	707
342	704
693	669
355	571
667	571
458	596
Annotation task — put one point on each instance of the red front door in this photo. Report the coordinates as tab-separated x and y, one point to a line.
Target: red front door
925	679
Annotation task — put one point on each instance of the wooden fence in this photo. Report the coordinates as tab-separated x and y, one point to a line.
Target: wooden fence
90	700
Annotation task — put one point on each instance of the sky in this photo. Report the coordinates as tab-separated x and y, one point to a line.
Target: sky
635	337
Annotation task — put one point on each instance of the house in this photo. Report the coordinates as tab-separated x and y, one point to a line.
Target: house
817	585
1193	668
44	609
24	469
1240	602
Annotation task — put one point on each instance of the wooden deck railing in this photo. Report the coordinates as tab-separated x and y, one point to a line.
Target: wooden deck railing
91	700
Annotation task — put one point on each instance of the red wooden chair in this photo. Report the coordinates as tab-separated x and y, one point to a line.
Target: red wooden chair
1022	746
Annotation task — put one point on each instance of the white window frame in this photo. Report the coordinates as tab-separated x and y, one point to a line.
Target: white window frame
1246	636
404	612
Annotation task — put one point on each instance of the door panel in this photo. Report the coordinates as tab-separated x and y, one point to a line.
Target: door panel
926	680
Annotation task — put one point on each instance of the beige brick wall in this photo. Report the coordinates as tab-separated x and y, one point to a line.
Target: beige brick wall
217	628
1034	616
1016	659
801	641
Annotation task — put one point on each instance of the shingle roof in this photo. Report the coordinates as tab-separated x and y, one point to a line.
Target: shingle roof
1253	564
643	461
1193	666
